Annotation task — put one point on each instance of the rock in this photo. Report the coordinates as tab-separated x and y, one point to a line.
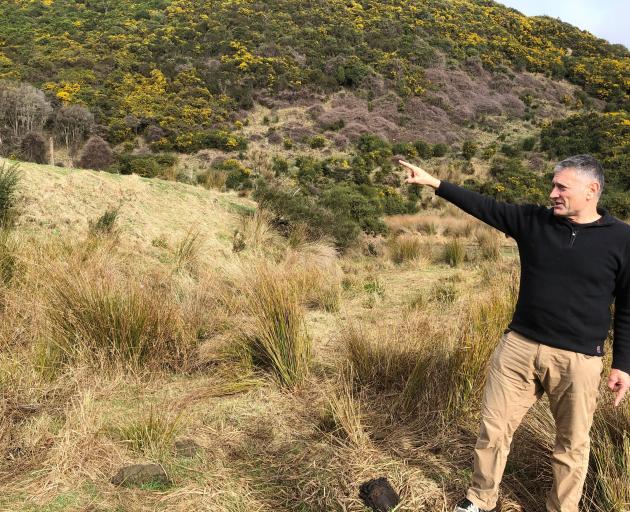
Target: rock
186	448
139	474
378	495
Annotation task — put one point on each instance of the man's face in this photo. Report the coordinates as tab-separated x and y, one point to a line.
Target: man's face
571	193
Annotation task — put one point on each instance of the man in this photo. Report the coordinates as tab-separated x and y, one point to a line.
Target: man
575	260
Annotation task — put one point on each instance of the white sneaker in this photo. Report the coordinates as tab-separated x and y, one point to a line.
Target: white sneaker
468	506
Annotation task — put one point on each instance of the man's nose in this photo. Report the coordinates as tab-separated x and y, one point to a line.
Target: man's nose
554	193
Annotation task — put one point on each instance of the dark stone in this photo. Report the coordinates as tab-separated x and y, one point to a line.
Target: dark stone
187	448
140	474
378	495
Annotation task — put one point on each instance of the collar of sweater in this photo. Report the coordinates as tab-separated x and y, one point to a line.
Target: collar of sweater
605	220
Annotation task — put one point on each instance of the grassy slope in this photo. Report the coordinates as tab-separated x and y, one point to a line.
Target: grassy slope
62	201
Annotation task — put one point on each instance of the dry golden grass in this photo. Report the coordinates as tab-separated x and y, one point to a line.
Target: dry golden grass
406	408
454	252
407	247
489	241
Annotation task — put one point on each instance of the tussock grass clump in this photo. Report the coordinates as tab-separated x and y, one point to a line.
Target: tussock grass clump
457	227
257	233
443	293
315	272
187	252
383	359
9	181
105	225
407	360
489	244
405	248
277	339
8	256
454	252
151	434
345	411
213	178
105	320
610	456
481	328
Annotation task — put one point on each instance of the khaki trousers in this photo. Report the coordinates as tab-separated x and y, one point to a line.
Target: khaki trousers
520	371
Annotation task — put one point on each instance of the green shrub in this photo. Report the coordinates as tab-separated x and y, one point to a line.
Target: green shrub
334	126
395	204
440	149
147	166
317	142
373	149
510	151
617	202
423	149
279	166
514	183
405	148
488	152
358	204
238	176
528	144
213	139
293	210
469	149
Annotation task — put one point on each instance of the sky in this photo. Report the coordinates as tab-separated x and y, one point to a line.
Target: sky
608	19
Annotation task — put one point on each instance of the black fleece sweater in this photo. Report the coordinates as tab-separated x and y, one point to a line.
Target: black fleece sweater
570	274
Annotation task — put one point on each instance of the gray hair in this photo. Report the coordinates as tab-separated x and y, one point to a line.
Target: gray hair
585	166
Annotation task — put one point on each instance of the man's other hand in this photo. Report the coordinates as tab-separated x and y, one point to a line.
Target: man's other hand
618	383
419	176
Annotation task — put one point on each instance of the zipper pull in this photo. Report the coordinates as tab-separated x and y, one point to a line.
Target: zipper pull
573	235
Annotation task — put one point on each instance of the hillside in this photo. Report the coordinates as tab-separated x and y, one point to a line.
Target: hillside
208	93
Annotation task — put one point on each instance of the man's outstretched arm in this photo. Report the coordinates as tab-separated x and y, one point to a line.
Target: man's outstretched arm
505	217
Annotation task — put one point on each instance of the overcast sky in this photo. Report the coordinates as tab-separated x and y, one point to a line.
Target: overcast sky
608	19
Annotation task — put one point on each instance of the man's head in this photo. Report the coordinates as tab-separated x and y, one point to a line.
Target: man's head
577	184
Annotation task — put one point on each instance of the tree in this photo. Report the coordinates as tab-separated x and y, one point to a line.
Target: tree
34	148
23	108
96	154
72	124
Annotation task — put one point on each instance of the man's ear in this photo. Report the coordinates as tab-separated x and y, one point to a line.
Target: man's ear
593	190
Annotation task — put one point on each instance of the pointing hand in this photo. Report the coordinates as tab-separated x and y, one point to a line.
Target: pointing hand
419	176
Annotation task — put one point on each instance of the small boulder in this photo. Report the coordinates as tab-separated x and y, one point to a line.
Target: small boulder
379	495
186	448
140	474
